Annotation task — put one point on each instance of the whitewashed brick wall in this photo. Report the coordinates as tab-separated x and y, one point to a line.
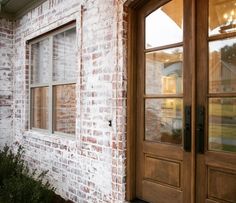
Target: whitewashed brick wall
89	167
6	50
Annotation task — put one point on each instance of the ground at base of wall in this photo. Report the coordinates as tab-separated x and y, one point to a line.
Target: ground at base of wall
138	201
59	199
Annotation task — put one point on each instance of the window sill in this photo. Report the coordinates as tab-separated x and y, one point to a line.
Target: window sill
51	136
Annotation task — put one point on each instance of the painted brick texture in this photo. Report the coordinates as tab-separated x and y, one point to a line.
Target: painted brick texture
89	166
6	54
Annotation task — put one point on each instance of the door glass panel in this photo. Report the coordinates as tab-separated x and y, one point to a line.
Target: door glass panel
163	120
222	16
222	124
40	107
164	71
165	25
222	66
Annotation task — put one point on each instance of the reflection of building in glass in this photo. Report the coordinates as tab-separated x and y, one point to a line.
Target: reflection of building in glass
222	124
222	111
172	78
164	76
164	72
222	69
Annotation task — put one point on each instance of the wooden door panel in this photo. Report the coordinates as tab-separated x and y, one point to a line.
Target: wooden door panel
221	184
157	193
219	160
163	150
210	201
163	171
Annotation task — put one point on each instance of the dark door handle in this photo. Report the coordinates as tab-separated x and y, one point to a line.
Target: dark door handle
200	129
187	129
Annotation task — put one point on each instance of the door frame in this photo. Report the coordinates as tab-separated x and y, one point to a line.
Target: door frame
190	36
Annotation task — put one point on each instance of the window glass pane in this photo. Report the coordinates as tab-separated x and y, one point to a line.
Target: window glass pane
222	16
222	124
165	25
163	120
64	56
222	66
40	107
40	57
164	71
64	108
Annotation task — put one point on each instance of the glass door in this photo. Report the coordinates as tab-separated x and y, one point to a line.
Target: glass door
216	99
163	148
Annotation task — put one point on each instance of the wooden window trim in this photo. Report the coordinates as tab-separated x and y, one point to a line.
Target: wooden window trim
51	121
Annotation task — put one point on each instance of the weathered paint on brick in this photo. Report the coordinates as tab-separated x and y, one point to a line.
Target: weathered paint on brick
89	167
6	68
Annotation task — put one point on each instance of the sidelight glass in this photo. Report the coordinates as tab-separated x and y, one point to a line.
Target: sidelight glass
165	25
222	66
64	108
164	120
222	124
164	71
222	16
40	62
64	56
40	107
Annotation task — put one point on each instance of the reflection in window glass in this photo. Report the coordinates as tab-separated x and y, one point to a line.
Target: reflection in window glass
40	107
222	16
64	56
165	25
40	54
164	71
222	124
163	120
64	108
222	66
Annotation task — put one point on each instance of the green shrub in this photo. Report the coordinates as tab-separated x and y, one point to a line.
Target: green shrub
17	184
10	164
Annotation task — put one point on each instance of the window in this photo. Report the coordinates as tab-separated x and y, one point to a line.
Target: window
53	82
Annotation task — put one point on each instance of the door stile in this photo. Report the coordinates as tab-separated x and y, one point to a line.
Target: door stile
202	64
140	106
190	95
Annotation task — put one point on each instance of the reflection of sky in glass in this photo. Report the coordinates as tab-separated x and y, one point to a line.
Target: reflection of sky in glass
161	30
217	45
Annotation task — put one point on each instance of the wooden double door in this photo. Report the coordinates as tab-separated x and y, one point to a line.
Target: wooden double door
186	101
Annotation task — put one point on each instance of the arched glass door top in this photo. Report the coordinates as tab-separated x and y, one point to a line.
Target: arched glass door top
164	26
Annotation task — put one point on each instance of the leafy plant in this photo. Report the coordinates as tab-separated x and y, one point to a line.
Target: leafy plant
17	184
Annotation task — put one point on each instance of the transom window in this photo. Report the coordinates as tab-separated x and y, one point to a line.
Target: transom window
53	82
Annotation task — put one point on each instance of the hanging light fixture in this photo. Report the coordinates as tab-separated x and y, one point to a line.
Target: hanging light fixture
230	21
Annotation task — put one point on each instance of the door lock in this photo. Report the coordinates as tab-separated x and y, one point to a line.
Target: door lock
200	129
